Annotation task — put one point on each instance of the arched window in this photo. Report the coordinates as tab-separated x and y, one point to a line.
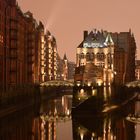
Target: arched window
100	56
88	56
82	55
109	58
92	56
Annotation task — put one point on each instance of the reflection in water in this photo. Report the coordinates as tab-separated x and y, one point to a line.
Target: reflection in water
25	125
18	126
52	121
55	112
110	126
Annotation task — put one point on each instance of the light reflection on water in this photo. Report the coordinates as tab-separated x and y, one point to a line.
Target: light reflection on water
52	120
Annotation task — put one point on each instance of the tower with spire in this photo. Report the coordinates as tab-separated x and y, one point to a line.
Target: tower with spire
65	68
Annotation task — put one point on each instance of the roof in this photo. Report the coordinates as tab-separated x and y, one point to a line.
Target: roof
97	39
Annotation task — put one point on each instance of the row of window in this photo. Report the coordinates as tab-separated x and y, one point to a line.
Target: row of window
92	56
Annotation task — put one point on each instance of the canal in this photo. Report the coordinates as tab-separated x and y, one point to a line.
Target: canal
53	119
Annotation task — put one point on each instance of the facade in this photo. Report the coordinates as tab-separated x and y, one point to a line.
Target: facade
51	57
27	54
71	70
18	46
40	53
3	48
137	70
66	69
59	68
105	58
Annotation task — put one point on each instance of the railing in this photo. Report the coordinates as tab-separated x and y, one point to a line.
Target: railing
135	118
58	83
134	84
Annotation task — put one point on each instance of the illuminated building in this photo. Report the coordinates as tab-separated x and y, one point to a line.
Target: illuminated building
28	55
137	70
66	68
22	47
105	58
59	68
51	57
19	46
40	52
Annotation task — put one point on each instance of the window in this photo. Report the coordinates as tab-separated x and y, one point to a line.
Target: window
82	55
88	57
92	56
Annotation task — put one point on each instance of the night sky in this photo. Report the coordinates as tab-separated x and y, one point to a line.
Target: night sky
67	19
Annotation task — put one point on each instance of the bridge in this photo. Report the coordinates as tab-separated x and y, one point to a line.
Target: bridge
134	84
133	118
65	83
57	117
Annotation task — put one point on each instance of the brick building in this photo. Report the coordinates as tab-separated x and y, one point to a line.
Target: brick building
112	53
137	70
26	51
51	57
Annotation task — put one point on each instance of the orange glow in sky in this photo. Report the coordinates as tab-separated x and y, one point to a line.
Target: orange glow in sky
67	19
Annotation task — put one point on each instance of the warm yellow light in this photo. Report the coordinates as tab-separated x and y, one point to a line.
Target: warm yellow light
89	84
99	82
81	91
93	134
78	84
81	136
42	39
94	92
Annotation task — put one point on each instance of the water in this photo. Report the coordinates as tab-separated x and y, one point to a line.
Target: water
53	120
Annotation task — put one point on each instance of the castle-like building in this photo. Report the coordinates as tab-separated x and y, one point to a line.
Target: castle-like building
104	58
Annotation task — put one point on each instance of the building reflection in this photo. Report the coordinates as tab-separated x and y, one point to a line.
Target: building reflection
27	124
53	112
110	126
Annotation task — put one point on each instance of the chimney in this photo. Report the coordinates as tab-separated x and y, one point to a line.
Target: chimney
85	34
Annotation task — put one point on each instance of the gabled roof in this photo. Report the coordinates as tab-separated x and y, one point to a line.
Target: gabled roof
102	38
81	45
95	36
